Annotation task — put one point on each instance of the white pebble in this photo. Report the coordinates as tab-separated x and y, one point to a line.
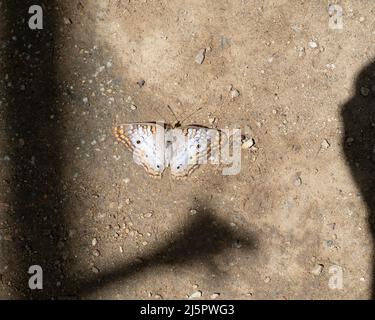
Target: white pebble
317	270
234	93
196	294
313	44
200	56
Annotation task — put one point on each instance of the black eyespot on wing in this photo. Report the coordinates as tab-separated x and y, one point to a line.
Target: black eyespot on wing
138	142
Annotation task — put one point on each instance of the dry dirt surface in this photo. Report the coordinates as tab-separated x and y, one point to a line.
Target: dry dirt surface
295	223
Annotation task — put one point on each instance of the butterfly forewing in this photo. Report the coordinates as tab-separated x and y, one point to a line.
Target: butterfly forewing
146	142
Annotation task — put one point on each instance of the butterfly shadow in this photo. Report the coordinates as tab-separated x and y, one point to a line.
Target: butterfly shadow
358	115
201	241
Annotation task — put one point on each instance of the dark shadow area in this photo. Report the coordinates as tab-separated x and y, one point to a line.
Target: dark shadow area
359	143
205	238
33	135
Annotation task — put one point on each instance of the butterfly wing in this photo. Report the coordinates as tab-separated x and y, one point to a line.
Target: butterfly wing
192	146
146	142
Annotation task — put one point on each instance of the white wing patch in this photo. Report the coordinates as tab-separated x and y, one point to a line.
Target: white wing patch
183	149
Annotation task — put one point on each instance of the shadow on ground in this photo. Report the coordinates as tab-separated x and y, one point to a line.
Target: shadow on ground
33	130
201	241
359	143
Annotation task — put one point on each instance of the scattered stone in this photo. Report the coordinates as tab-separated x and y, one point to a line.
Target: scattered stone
96	253
149	214
195	295
248	143
127	201
350	140
234	93
362	19
121	249
85	100
297	181
193	211
67	20
215	295
237	244
312	44
133	107
199	58
325	144
267	279
365	91
94	242
301	52
212	120
141	83
330	243
317	270
95	270
126	180
296	28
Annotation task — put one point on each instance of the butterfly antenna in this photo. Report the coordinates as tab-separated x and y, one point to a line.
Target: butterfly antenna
190	115
171	110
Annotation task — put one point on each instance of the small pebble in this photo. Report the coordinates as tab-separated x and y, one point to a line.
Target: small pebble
317	270
247	144
95	269
297	181
312	44
199	58
365	91
215	295
196	294
350	140
67	20
96	253
193	211
325	144
267	279
94	242
85	100
133	107
141	83
234	93
149	214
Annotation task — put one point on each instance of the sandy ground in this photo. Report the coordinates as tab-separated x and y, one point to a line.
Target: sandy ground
281	229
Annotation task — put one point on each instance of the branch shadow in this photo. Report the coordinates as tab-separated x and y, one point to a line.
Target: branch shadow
358	116
33	133
201	241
